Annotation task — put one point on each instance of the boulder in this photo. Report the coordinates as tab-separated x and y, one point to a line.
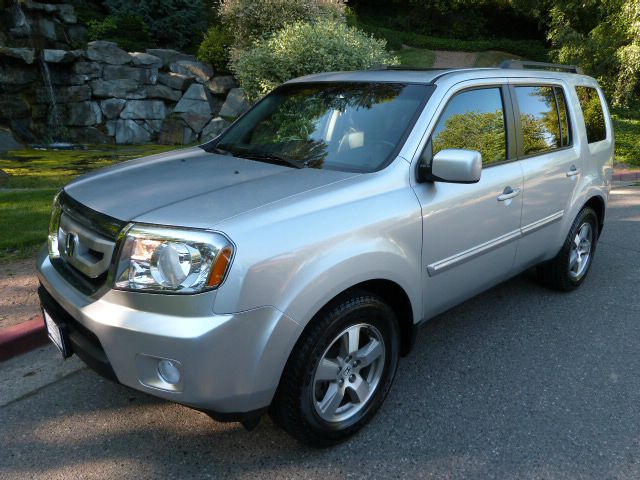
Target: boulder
141	75
8	141
113	88
145	60
222	85
73	94
47	29
129	132
61	56
143	110
197	99
235	105
195	121
154	126
16	75
159	91
66	13
107	52
12	107
175	81
27	55
91	135
82	114
112	107
201	72
176	132
169	56
90	69
77	34
214	128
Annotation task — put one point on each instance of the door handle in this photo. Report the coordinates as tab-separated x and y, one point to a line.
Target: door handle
573	171
508	194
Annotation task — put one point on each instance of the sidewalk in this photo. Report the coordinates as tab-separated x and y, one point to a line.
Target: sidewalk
22	326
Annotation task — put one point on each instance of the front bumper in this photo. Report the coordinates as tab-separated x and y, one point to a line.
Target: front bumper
230	364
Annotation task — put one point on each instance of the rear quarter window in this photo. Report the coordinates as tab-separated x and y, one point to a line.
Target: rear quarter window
593	114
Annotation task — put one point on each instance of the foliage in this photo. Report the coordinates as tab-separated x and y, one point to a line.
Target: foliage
251	20
626	125
215	47
173	23
304	48
128	31
603	37
416	57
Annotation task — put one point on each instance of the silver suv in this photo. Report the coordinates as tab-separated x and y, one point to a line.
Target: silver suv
284	266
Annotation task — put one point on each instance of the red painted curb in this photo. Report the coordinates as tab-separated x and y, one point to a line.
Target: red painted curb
22	338
625	177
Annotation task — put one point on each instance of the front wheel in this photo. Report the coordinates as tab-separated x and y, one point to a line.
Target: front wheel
340	371
569	268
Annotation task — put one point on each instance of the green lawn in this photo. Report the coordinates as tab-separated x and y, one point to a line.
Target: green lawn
626	125
416	57
34	178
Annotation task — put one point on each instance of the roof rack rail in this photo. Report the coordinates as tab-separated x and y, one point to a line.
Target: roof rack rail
406	68
524	64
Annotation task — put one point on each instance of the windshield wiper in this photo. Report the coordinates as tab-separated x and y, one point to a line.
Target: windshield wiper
272	158
219	150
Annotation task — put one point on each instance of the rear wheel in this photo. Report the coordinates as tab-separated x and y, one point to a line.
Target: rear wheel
569	268
340	372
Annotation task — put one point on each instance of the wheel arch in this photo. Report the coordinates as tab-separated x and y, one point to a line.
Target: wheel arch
597	203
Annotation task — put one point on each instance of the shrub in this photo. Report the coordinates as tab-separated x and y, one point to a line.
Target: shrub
172	23
305	48
214	49
251	20
128	31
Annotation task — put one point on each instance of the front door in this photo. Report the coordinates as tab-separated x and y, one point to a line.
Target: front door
470	231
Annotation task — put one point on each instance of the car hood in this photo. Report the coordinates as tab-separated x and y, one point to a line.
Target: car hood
192	188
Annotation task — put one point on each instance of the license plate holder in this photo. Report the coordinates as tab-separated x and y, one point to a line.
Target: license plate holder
57	334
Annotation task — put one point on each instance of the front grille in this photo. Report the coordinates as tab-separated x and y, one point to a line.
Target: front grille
87	243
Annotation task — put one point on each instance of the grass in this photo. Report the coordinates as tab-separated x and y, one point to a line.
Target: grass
626	124
416	57
34	178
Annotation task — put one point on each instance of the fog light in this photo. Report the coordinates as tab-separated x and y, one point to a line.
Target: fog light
169	371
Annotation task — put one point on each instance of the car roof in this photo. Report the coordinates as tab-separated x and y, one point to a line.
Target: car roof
430	76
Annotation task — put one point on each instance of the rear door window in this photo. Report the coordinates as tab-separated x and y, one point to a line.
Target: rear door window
539	119
593	114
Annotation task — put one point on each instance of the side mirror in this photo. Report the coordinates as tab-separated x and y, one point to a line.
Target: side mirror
452	165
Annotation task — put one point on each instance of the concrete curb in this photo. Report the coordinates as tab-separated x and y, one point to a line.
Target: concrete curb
21	338
626	176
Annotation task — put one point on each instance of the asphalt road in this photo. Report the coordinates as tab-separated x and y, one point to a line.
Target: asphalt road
519	382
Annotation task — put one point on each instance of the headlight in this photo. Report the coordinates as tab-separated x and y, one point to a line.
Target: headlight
163	259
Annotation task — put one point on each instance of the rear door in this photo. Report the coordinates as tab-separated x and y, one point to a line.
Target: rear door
470	231
551	165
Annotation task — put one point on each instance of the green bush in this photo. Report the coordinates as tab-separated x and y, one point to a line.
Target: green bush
176	24
250	20
129	31
304	48
214	49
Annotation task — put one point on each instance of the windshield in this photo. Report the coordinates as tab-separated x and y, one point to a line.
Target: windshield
345	126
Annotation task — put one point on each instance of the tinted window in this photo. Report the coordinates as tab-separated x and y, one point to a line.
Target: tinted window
341	126
474	120
539	119
565	126
593	114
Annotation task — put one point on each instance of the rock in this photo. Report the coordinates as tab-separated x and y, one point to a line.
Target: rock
73	94
176	132
146	60
154	126
82	114
195	121
10	75
191	68
90	69
61	56
113	88
12	107
141	75
159	91
47	29
214	128
143	110
66	13
107	52
175	81
27	55
8	141
77	34
128	132
221	85
169	56
60	78
235	105
197	100
112	107
22	131
91	135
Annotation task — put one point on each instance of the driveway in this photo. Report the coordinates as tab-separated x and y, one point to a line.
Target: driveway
519	382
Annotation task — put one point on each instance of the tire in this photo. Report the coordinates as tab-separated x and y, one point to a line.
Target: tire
569	268
308	403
